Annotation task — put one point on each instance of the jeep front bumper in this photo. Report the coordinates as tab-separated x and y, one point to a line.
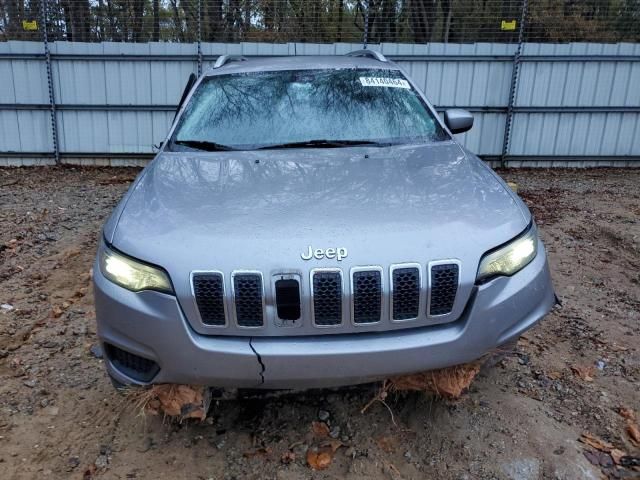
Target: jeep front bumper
152	326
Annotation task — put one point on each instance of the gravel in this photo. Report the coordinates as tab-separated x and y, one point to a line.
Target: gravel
521	418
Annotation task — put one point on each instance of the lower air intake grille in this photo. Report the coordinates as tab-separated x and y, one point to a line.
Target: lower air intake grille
444	285
406	293
209	292
248	299
327	298
133	366
367	296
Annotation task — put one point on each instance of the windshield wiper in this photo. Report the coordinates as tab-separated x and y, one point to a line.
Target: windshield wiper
205	145
325	144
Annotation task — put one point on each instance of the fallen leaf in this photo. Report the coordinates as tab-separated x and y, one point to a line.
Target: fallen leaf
595	442
320	457
617	455
554	375
320	429
57	312
182	401
585	373
628	413
634	432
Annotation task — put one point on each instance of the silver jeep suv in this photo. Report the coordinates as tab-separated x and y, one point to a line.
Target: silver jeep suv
311	222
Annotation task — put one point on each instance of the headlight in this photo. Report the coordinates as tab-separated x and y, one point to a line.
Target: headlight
133	275
510	258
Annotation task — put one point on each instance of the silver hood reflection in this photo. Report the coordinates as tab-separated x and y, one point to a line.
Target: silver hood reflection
260	210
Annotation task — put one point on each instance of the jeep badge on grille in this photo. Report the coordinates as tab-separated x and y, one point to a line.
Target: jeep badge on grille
337	253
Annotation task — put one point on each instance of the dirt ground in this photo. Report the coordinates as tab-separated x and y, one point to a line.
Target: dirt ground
521	419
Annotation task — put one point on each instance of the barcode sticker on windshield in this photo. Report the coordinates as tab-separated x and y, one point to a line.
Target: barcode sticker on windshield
384	82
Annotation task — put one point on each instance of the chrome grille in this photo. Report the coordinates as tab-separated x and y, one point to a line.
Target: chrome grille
367	296
208	289
248	299
444	286
327	297
373	297
406	293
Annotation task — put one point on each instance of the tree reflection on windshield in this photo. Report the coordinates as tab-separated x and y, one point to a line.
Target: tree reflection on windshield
254	110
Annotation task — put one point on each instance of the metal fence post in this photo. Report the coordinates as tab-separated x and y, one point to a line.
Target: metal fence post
365	35
514	85
52	98
199	37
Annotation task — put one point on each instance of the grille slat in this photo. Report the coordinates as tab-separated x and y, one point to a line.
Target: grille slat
209	292
327	298
444	286
406	293
367	291
367	296
247	289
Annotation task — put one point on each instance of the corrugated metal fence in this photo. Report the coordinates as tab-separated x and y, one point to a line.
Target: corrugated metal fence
574	105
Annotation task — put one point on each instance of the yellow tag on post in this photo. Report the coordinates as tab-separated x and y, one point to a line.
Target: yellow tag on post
30	25
508	25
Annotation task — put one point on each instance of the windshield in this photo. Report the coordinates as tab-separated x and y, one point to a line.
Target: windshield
306	107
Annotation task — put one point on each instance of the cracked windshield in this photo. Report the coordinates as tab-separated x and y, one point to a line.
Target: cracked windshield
329	108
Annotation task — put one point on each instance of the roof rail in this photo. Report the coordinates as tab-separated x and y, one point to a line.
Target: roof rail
368	53
224	59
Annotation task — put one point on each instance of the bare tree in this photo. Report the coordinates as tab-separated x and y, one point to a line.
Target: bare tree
340	18
447	13
138	11
212	20
177	21
15	13
422	17
156	21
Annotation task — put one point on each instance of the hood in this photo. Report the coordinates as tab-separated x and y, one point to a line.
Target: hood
261	210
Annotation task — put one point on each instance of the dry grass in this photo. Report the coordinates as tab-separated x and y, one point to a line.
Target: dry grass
180	402
448	383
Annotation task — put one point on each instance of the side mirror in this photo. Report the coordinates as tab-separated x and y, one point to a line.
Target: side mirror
187	88
458	120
